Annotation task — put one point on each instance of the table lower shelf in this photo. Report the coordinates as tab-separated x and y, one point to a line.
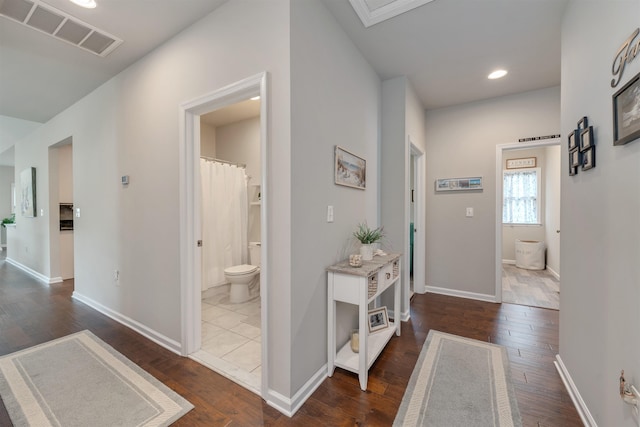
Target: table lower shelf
347	359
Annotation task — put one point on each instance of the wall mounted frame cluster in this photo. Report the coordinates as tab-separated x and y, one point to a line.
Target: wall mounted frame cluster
582	147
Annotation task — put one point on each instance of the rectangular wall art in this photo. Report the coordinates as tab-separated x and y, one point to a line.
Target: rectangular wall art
626	112
350	170
459	184
28	192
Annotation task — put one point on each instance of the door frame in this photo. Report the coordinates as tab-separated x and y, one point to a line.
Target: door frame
417	156
190	215
500	149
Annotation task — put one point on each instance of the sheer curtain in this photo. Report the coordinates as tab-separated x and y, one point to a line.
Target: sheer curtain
520	199
224	220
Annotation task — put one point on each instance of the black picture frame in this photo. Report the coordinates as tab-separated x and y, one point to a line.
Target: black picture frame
583	123
572	139
586	139
589	158
626	106
575	158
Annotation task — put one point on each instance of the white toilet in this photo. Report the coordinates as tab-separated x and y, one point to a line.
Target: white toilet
243	276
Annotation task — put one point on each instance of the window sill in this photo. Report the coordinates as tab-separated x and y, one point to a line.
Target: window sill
510	224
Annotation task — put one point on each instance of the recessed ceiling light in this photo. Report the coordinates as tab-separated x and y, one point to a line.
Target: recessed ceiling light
89	4
255	98
497	74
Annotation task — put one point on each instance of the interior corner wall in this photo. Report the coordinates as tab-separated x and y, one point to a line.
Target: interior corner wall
600	245
13	130
402	118
335	100
461	142
130	126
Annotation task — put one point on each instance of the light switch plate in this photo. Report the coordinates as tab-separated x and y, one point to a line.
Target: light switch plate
469	212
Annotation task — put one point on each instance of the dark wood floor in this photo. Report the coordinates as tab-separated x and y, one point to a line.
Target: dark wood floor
32	313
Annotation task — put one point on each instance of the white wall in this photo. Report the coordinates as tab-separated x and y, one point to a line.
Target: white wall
240	142
12	130
600	248
134	229
335	100
461	142
6	179
207	140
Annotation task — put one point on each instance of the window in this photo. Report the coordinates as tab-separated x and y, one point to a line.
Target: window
521	196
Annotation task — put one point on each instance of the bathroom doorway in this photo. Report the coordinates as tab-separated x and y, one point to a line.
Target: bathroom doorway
224	318
534	167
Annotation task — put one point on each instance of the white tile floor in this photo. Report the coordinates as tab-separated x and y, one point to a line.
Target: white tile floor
231	339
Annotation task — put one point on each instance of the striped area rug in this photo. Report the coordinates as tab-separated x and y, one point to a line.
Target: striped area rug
459	382
79	380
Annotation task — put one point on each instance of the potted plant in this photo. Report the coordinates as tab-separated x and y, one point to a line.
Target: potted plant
367	237
9	220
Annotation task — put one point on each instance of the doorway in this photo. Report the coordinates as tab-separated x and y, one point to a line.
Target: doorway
523	276
414	224
191	231
61	199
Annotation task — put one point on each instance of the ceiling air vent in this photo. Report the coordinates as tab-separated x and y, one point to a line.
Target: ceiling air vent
56	23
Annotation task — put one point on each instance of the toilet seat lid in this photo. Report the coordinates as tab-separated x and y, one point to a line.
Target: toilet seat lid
238	270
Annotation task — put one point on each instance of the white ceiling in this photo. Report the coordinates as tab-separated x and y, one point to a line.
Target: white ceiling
445	47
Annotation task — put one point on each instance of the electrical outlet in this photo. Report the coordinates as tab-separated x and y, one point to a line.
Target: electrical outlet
116	277
330	213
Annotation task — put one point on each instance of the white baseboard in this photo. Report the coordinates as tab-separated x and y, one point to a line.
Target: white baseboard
553	272
578	402
461	294
404	316
289	406
33	273
149	333
509	261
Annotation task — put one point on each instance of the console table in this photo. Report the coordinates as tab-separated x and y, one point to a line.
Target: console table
361	286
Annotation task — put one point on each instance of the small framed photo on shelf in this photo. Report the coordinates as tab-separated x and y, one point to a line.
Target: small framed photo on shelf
573	139
575	158
583	123
589	158
378	319
586	139
626	112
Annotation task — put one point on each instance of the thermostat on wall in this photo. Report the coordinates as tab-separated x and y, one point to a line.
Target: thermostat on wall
125	179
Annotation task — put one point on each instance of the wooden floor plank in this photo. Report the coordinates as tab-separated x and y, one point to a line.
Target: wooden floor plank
32	313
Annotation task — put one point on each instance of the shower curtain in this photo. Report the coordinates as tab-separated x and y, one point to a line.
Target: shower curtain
224	220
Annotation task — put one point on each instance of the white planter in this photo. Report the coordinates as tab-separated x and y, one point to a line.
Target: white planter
367	252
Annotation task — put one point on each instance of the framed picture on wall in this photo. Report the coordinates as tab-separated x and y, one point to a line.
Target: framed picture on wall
626	112
583	123
28	192
573	139
350	170
586	139
575	158
589	159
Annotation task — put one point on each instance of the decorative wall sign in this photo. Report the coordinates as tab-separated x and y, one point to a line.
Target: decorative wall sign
350	170
538	138
626	112
627	53
527	162
459	184
28	192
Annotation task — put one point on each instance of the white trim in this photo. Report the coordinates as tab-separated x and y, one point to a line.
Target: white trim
553	272
396	7
500	148
578	402
143	330
404	315
509	261
460	294
419	238
33	273
190	233
290	406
